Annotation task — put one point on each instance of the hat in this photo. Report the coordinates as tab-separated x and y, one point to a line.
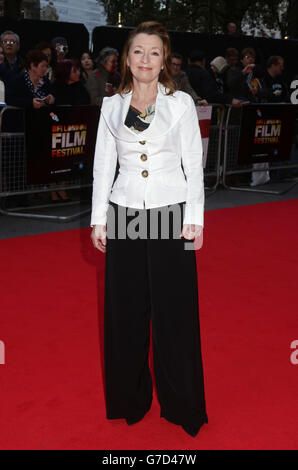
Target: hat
220	64
59	40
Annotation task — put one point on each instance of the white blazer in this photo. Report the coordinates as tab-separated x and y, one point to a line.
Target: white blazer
150	173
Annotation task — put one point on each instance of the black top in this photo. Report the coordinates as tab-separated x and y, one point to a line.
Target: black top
138	121
20	91
205	85
9	70
277	91
74	94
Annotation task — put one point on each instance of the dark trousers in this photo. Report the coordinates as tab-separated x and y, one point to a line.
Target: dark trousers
152	279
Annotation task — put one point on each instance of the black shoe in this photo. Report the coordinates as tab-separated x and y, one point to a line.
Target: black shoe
133	420
139	418
191	430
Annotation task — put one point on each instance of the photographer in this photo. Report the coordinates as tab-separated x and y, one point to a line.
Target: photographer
61	46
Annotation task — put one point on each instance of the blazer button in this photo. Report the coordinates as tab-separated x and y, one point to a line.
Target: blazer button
145	173
143	157
142	142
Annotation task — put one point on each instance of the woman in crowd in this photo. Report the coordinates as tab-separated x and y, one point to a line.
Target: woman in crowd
31	88
50	52
68	86
87	66
68	90
105	79
152	130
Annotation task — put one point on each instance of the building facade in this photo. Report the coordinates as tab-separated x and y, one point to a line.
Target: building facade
29	9
88	12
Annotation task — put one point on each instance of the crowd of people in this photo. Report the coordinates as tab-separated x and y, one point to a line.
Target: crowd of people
47	75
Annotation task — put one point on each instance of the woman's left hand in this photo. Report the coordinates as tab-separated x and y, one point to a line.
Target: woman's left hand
190	232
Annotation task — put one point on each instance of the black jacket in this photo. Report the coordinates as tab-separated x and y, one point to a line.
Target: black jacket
17	93
276	89
205	85
74	94
8	71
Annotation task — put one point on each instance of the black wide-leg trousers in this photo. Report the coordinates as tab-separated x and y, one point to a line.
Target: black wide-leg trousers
152	279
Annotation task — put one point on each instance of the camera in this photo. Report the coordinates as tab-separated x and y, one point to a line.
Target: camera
61	48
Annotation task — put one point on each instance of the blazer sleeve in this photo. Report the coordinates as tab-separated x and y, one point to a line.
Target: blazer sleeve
104	167
192	161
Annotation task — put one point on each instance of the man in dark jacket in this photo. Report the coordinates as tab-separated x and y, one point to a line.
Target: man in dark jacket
276	89
181	79
13	64
203	83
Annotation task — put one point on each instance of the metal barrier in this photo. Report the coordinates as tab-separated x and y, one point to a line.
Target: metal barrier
230	165
13	178
221	162
212	171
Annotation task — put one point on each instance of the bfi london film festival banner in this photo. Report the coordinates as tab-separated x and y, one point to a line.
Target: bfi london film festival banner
60	143
204	116
266	133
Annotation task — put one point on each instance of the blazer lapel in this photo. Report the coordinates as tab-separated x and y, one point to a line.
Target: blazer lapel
168	110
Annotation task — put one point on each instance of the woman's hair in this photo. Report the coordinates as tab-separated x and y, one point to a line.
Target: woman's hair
104	54
84	74
87	51
165	76
35	57
63	69
41	46
247	51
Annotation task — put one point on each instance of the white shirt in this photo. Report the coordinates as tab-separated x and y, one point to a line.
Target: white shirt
150	173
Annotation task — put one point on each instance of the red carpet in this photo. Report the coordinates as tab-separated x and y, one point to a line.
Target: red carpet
51	387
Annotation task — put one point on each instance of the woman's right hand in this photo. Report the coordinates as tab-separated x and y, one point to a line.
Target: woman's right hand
249	68
99	237
37	103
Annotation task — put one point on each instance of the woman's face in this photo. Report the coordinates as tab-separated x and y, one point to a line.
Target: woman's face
48	53
86	61
145	57
40	69
111	63
248	59
74	75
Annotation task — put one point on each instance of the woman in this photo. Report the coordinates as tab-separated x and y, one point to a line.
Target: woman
105	79
31	88
151	130
239	79
87	66
68	87
68	90
50	52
